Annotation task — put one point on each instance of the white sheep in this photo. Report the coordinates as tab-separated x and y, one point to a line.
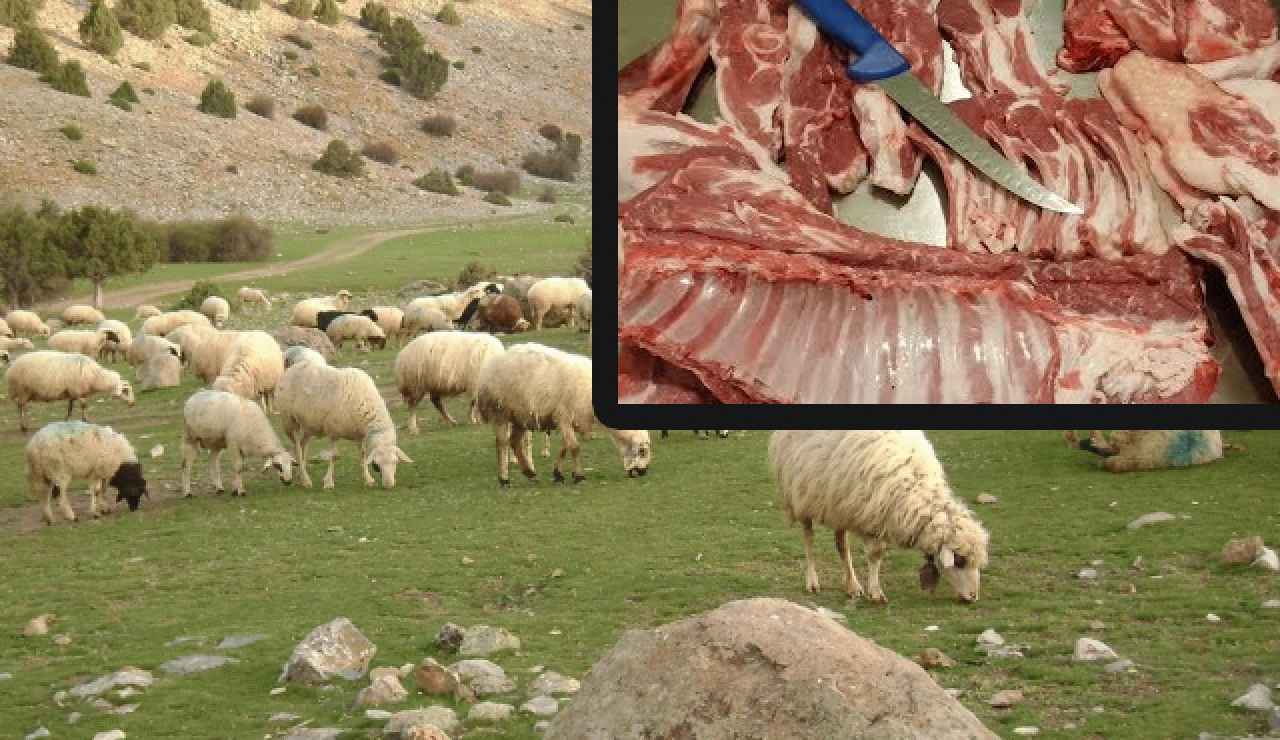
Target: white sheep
301	336
257	296
88	342
217	310
157	362
442	364
390	319
146	311
252	365
162	324
554	293
423	317
582	311
1159	448
305	310
358	328
316	400
216	421
453	305
118	341
27	322
888	488
16	343
531	387
49	375
65	451
205	350
78	313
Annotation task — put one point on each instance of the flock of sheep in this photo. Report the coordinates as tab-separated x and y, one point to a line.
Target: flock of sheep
250	375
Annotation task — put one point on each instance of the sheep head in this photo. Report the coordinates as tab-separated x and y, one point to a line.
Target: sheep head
383	459
123	391
635	448
282	462
129	484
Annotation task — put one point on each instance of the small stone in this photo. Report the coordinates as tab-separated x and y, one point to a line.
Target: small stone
1271	604
1213	618
110	735
931	628
1137	563
1026	731
482	640
1258	697
101	704
157	450
1153	518
833	615
335	528
62	640
1241	551
282	717
543	706
467	561
1097	625
442	717
1119	666
276	691
934	658
383	690
127	692
541	726
1005	699
6	676
449	638
990	637
1268	559
433	678
378	714
490	711
37	626
550	682
74	717
423	732
195	663
557	573
235	641
125	709
1087	574
40	732
1097	563
986	498
1088	648
955	693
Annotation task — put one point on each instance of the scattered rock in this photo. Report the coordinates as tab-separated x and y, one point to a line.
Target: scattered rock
449	638
183	640
833	615
557	573
543	706
1268	559
1026	731
1258	698
282	717
100	704
483	676
1087	574
1088	648
467	561
1153	518
490	711
6	676
157	450
276	691
1097	626
483	640
1005	699
125	709
1242	551
235	641
442	717
312	733
550	682
986	498
934	658
40	732
464	693
424	732
110	735
435	679
62	640
1120	666
377	714
335	649
383	690
38	626
1271	604
541	726
195	663
990	638
1213	618
122	677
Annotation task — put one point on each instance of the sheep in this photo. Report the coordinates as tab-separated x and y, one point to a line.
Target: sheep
390	319
157	362
419	318
1097	442
453	305
27	322
359	328
217	310
256	296
215	420
64	451
304	311
554	292
324	318
118	342
703	433
1153	449
888	488
533	387
500	313
5	331
439	365
316	400
162	324
299	336
206	350
49	375
252	365
145	311
517	287
16	343
582	310
4	358
83	341
78	313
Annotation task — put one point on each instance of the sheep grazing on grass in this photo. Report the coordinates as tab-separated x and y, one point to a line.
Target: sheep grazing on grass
316	400
118	341
1154	449
49	375
146	311
357	328
216	421
454	305
162	324
247	296
217	310
79	314
305	310
554	293
88	342
27	323
66	451
531	387
888	488
324	318
500	313
13	344
390	319
251	366
157	362
517	287
439	365
422	318
300	336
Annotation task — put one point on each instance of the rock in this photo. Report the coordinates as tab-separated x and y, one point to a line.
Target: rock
1258	697
386	670
62	640
483	640
1119	666
125	709
235	641
1097	626
1241	551
754	664
276	691
383	690
40	732
485	685
449	638
441	717
834	615
1271	604
467	561
1154	518
424	732
1213	618
1268	559
1026	731
934	658
378	714
483	676
1005	699
100	704
312	733
541	726
6	676
464	693
122	677
557	573
990	638
335	649
1087	574
542	706
1088	648
157	450
550	682
282	717
490	711
195	663
38	626
986	498
110	735
435	679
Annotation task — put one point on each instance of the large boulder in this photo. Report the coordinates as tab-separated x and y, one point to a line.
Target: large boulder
759	668
334	649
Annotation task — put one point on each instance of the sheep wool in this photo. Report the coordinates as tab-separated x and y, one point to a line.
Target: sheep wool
16	343
5	331
422	317
256	296
888	488
217	310
145	311
219	421
439	365
305	310
27	322
358	328
1152	449
390	319
79	313
251	367
119	339
49	375
162	324
88	342
554	293
206	350
66	451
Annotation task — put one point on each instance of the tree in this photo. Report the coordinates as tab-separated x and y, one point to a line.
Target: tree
67	77
146	19
17	12
398	39
327	12
217	100
193	14
376	17
100	243
31	50
31	269
424	72
100	31
338	160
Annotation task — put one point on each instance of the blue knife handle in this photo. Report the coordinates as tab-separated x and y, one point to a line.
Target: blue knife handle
877	59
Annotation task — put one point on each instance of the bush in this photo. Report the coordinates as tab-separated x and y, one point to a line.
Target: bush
245	4
448	15
440	125
84	167
579	27
338	160
424	73
125	93
232	239
563	218
375	17
548	195
300	9
476	50
381	151
194	14
100	31
72	132
146	19
553	165
144	66
314	69
313	116
551	132
200	38
472	273
217	100
262	106
465	173
399	38
391	77
437	181
459	64
290	54
507	182
195	297
31	50
497	198
297	40
67	77
327	12
18	12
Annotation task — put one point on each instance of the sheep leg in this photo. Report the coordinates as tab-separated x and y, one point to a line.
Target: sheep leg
810	573
437	401
215	471
300	440
411	402
22	418
522	446
546	445
501	443
851	584
472	414
99	504
364	465
333	454
875	551
237	474
71	406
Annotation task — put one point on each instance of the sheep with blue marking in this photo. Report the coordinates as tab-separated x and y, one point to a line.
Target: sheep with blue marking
66	451
219	421
49	375
888	488
1154	449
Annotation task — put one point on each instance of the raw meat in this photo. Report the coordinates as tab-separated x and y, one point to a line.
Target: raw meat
662	78
749	49
1218	29
994	48
1091	39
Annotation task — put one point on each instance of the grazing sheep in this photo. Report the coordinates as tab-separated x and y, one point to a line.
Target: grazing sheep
453	305
517	287
215	420
26	322
439	365
500	313
77	314
554	293
423	317
217	310
4	358
162	324
361	329
305	310
145	311
582	311
301	336
252	365
48	375
531	387
206	351
255	296
16	343
1154	449
390	319
324	318
157	362
316	400
118	342
888	488
5	331
88	342
65	451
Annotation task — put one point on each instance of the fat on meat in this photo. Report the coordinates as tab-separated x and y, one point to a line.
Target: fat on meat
662	78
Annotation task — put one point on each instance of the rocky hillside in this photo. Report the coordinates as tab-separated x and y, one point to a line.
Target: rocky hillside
524	64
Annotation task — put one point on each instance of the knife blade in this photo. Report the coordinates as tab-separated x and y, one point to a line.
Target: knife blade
882	64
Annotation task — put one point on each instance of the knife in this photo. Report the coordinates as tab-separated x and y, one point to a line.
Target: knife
880	63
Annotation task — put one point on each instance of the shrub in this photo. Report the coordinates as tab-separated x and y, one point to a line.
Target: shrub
465	173
99	29
144	66
195	297
67	77
439	125
375	17
31	50
507	182
497	198
125	93
551	132
548	195
338	160
18	12
240	239
217	100
459	64
314	69
399	38
472	273
300	9
391	77
297	40
437	181
72	132
476	50
245	4
327	12
84	167
579	27
199	38
424	73
146	19
553	165
313	116
290	54
193	14
563	218
583	268
448	15
381	151
262	106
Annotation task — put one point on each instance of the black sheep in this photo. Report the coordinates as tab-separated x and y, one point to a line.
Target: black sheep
324	318
129	484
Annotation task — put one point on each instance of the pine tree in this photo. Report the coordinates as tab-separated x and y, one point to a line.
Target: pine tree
146	19
100	31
